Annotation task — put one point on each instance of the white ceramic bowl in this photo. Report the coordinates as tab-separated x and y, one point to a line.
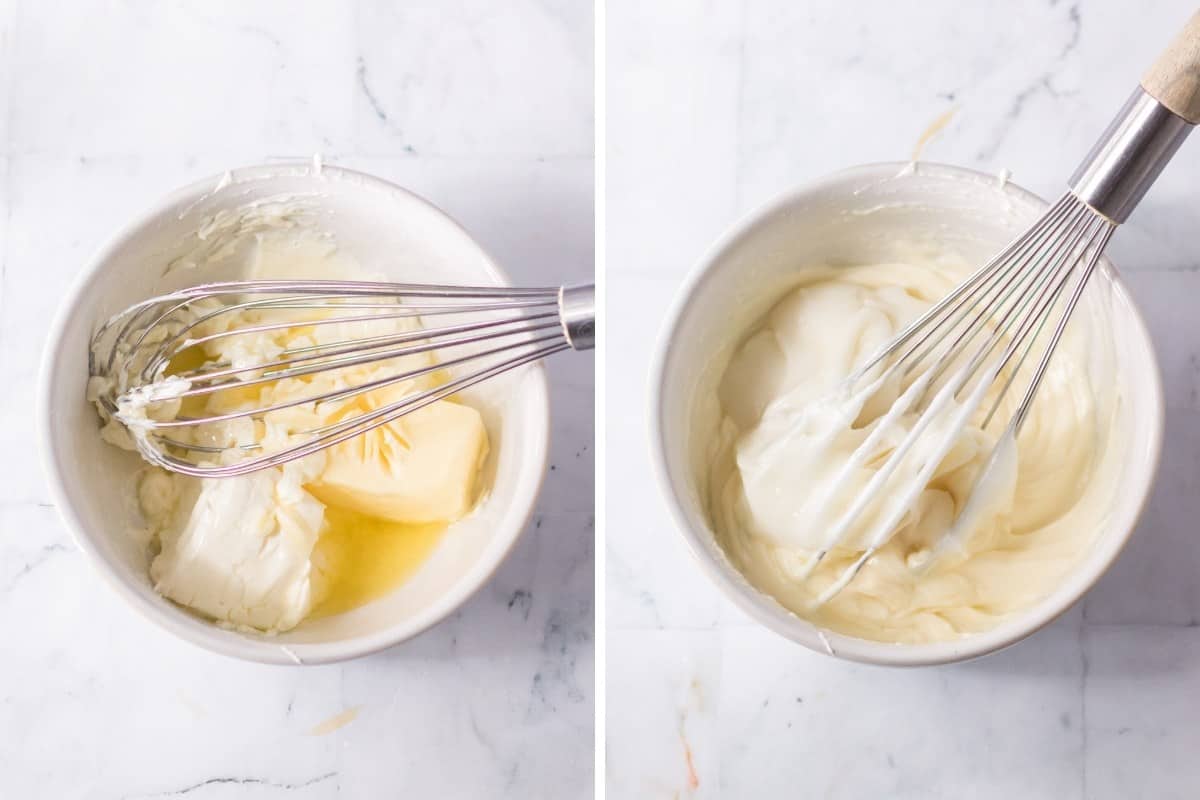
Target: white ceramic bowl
389	231
857	216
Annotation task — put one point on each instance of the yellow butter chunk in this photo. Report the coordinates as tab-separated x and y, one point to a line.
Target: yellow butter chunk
420	468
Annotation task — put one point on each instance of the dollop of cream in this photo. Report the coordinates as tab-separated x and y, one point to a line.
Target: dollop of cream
957	560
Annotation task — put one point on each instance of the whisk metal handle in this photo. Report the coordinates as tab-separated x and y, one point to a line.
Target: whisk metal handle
1147	131
577	310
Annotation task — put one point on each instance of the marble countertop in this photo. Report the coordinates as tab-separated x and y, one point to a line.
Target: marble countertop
485	109
757	96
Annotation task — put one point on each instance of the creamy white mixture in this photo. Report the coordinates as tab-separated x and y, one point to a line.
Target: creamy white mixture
787	435
244	551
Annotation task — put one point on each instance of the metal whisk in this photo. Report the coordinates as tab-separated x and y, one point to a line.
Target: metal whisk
980	335
479	333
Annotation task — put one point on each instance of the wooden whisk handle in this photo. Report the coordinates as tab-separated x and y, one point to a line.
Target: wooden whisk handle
1174	79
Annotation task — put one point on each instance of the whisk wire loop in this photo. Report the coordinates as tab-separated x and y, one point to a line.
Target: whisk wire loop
487	331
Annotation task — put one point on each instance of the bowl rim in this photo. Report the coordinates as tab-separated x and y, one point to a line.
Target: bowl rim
763	608
184	624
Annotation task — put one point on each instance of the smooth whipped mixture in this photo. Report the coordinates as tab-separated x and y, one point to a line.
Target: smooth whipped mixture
787	433
328	532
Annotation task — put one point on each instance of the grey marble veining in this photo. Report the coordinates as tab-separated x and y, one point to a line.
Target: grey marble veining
485	110
712	109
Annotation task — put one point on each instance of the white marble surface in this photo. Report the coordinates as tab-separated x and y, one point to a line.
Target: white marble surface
484	108
714	107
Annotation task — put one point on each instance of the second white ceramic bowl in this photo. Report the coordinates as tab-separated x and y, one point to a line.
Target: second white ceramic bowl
389	231
857	216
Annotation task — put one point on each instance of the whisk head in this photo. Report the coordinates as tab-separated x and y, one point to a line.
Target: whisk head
211	380
946	364
1003	306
